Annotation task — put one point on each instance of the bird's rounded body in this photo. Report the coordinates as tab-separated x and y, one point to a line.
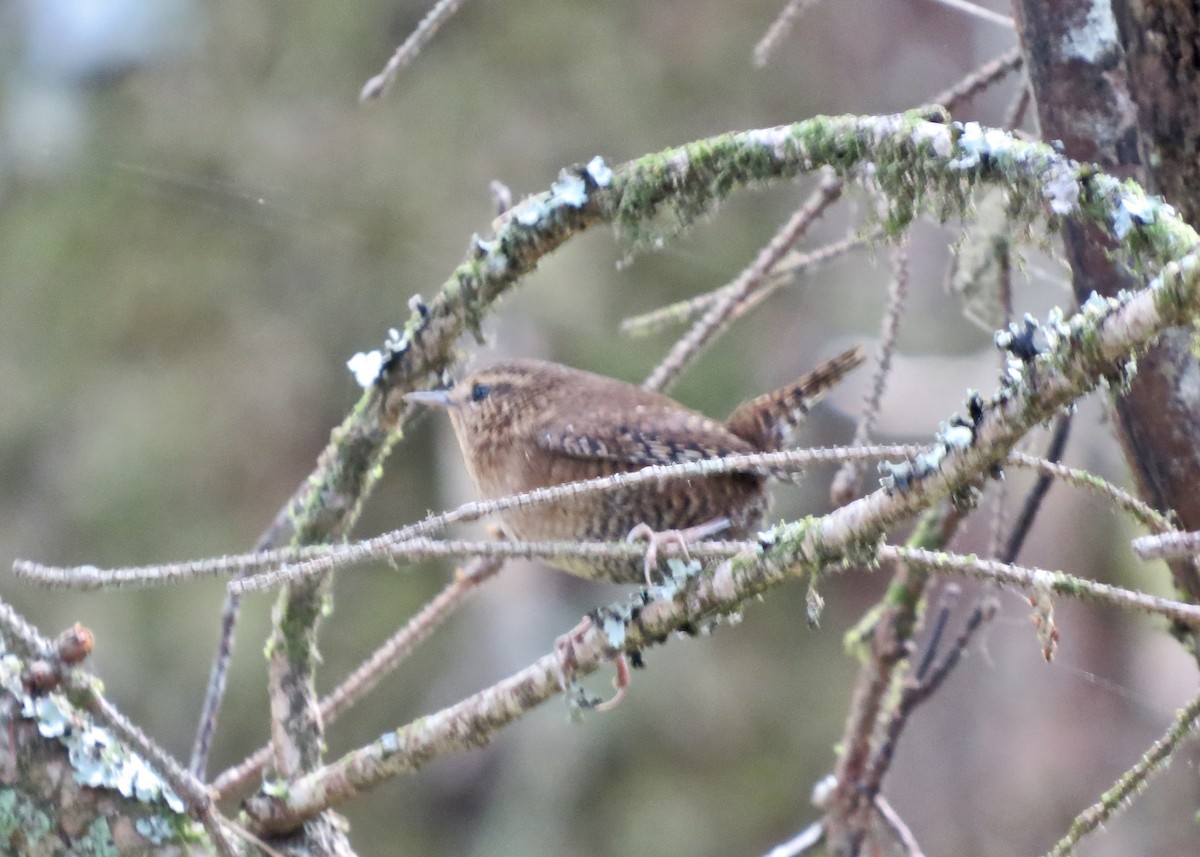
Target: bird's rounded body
527	424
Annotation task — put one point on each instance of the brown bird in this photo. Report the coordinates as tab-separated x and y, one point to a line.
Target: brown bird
526	424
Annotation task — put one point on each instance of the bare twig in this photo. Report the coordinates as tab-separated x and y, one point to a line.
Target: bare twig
793	263
780	27
979	12
382	662
413	550
845	482
716	318
1014	114
1054	582
1140	511
319	558
1167	545
802	843
407	52
859	769
1033	500
1187	720
980	79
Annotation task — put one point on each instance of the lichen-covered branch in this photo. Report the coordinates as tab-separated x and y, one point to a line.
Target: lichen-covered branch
916	162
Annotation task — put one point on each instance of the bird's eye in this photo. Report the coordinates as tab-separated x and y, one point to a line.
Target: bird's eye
479	392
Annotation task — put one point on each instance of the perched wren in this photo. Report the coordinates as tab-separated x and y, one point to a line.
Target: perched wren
525	424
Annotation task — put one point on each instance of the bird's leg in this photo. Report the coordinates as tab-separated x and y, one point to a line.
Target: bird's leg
565	647
655	540
620	682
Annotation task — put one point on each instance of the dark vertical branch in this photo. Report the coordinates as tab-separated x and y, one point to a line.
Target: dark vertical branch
1077	69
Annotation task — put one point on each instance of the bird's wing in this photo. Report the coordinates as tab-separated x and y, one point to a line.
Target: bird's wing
648	433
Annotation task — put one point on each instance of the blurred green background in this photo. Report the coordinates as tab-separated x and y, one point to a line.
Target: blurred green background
199	224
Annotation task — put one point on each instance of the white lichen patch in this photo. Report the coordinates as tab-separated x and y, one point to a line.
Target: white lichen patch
938	137
1061	191
1133	209
774	139
365	367
569	189
957	436
600	172
976	142
1095	38
614	631
531	210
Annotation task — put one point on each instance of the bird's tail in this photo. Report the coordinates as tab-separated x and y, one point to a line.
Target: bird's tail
769	421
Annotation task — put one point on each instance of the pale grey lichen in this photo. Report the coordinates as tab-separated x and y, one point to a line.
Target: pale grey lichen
937	136
570	189
1132	209
600	172
1061	191
956	436
98	759
396	342
1055	328
52	721
1097	306
615	631
530	211
976	143
97	841
497	265
775	139
155	828
275	788
1095	38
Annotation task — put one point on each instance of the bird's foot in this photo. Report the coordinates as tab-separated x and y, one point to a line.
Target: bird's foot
656	540
565	645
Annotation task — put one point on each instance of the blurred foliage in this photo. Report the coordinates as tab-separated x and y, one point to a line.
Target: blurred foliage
192	243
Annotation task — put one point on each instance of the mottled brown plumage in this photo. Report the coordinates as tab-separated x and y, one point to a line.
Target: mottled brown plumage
525	424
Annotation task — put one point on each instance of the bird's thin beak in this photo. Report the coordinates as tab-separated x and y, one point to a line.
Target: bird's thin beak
430	398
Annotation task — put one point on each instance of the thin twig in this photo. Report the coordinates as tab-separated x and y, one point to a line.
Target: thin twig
214	690
382	662
980	12
1033	500
1186	722
1167	545
980	79
845	481
900	830
407	52
1141	511
1014	114
795	262
716	319
929	678
780	27
1056	582
421	548
859	769
90	577
802	843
